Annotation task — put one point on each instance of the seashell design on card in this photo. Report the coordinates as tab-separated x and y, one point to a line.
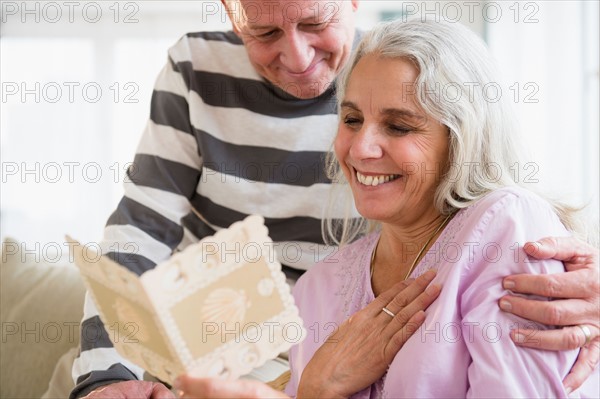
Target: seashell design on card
225	305
265	286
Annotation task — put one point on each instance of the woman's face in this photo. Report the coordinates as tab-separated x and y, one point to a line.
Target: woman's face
391	152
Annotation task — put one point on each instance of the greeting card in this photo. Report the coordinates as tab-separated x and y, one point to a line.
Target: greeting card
221	307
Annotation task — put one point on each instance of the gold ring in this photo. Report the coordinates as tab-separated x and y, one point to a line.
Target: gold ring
587	333
388	312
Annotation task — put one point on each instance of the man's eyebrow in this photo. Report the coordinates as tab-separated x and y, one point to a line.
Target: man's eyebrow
261	27
348	104
308	18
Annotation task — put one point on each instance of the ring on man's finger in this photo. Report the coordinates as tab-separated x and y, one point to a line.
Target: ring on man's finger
587	333
388	312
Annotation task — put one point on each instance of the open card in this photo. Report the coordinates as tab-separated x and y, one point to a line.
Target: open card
221	307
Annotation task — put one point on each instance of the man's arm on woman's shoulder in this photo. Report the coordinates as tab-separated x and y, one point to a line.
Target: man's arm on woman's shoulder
577	307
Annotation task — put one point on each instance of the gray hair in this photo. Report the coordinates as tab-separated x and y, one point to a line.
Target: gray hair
455	84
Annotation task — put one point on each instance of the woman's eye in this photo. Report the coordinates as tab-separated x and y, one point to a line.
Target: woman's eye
399	130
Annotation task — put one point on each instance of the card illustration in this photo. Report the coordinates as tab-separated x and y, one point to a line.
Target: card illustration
221	307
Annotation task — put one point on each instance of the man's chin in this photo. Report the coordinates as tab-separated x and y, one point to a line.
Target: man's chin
305	91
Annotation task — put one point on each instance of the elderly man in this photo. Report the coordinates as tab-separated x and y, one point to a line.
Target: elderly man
239	125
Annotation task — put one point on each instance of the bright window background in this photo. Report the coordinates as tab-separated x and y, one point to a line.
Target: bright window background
63	159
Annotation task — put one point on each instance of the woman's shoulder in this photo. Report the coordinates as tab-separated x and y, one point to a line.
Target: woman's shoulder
511	201
508	211
512	194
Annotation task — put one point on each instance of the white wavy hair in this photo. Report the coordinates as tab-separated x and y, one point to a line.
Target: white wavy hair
456	86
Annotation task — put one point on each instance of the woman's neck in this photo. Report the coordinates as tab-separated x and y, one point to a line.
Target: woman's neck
399	247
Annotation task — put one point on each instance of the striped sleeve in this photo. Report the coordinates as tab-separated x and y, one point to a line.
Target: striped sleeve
146	227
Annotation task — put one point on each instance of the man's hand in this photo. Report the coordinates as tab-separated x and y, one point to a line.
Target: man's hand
213	388
131	389
360	351
579	308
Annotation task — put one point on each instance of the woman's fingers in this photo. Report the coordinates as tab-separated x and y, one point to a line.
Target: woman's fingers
419	304
398	340
386	297
414	295
358	353
213	388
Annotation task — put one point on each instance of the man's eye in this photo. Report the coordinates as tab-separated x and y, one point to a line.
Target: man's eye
317	26
267	35
350	121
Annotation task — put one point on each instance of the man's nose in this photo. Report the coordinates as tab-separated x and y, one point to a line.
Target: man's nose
297	52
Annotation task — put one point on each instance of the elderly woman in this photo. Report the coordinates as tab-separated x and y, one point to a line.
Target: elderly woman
427	157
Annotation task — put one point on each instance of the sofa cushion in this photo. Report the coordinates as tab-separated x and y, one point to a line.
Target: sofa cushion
41	306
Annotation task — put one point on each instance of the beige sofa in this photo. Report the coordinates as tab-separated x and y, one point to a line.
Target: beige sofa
41	305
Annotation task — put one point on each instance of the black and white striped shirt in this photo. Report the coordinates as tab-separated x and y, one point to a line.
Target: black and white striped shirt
221	143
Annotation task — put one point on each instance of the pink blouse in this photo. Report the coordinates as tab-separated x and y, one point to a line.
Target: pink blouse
463	349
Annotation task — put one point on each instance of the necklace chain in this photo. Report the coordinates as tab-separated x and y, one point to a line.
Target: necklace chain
419	255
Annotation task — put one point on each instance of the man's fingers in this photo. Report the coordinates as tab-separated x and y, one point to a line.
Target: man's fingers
583	367
131	389
553	313
566	338
159	391
560	248
577	284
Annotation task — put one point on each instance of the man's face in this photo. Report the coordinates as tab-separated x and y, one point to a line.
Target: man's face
298	45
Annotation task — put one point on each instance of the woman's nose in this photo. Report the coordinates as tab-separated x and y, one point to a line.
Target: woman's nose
366	145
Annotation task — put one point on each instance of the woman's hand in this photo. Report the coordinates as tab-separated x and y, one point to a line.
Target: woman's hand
360	351
579	307
214	388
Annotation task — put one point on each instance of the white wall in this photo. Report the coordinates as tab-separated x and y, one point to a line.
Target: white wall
63	159
550	58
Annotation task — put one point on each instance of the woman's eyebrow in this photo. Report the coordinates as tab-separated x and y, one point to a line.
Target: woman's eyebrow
390	112
401	112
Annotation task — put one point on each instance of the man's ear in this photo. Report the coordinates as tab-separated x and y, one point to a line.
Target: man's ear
232	18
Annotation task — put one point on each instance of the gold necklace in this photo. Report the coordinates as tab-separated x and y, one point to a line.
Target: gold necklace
419	255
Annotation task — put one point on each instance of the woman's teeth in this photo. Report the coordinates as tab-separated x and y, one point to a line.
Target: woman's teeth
375	180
